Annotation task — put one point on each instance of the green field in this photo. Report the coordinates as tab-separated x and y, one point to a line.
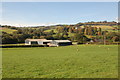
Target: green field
0	63
7	30
77	61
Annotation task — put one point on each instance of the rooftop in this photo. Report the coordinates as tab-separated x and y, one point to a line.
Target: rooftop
45	40
35	39
62	40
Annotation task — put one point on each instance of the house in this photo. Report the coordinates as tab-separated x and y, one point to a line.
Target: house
37	41
61	43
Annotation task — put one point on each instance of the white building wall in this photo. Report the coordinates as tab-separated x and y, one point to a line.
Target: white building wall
40	42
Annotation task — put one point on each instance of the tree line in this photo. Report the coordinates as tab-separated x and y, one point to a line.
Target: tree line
70	32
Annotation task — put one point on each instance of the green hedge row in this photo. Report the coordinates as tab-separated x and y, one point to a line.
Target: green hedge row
13	46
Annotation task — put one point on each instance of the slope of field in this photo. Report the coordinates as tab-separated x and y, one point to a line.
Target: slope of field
7	30
55	31
82	61
104	27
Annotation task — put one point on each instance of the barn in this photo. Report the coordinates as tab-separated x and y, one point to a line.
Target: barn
47	42
37	41
61	42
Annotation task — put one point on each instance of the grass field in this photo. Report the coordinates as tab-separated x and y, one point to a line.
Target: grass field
104	27
0	63
82	61
55	31
7	30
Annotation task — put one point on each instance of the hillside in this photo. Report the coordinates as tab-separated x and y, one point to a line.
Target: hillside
7	30
77	32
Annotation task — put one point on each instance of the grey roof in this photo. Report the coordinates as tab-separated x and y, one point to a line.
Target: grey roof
46	40
35	39
43	40
62	40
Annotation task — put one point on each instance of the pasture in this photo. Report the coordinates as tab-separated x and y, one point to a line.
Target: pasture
78	61
7	30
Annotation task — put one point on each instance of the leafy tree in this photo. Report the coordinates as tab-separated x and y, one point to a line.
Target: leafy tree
80	38
99	31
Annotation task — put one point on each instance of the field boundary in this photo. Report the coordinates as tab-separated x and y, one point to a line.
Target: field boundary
60	79
13	46
18	46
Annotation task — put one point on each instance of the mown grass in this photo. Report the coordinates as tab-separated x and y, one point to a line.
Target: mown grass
55	31
0	63
104	27
82	61
7	30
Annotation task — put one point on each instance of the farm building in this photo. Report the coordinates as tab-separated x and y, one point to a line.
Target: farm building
48	42
37	41
61	42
